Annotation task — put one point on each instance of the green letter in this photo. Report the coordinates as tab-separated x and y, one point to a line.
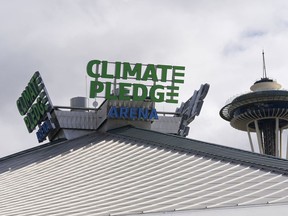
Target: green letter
123	92
172	94
27	98
89	68
164	71
117	70
175	73
41	106
108	92
28	124
104	71
95	87
150	72
37	84
152	94
32	91
136	94
20	107
132	72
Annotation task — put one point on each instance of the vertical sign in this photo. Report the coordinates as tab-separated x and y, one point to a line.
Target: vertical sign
35	106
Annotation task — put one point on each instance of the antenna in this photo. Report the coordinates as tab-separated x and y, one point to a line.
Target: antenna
264	66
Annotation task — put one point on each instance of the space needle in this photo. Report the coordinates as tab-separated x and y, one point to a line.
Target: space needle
264	110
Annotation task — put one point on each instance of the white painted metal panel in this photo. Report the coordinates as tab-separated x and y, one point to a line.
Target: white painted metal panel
118	176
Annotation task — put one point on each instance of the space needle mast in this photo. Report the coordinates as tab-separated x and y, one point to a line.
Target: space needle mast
264	111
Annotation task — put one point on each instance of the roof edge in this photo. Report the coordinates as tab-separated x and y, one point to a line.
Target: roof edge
215	151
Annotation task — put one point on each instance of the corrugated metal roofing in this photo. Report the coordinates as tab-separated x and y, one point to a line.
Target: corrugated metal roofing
178	143
131	170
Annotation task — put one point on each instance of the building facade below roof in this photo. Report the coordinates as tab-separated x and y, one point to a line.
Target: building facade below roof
135	171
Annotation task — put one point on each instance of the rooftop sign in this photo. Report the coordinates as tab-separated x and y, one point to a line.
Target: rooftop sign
35	105
120	80
132	113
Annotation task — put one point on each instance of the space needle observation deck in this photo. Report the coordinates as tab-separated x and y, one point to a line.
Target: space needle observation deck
264	110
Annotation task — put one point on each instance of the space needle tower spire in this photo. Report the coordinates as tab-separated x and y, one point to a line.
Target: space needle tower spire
264	65
264	111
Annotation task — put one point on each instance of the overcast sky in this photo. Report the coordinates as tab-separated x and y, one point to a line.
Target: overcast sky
219	42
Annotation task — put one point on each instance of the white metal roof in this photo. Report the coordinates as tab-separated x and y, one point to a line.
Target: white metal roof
111	173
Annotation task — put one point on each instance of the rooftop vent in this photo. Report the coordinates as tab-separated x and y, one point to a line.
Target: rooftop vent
78	102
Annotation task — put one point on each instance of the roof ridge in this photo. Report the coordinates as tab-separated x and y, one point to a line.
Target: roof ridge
230	154
191	139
